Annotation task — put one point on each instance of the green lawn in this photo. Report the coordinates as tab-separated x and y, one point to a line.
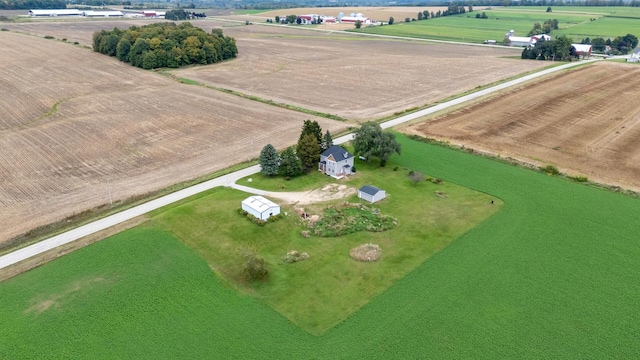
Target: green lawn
319	293
573	22
553	274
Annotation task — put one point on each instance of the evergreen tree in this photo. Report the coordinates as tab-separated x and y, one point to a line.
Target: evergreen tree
269	160
308	151
290	164
327	142
311	128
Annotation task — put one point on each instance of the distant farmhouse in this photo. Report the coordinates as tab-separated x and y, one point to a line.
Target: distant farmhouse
336	162
525	41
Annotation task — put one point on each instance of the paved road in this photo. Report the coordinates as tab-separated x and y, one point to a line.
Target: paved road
227	180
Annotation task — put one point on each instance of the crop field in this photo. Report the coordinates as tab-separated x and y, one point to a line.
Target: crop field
80	129
553	274
575	23
586	121
349	76
353	77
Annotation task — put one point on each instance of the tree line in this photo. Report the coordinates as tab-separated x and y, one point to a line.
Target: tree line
165	45
620	44
181	14
558	49
32	4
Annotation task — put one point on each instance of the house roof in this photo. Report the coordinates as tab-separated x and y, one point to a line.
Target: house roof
338	152
259	203
370	189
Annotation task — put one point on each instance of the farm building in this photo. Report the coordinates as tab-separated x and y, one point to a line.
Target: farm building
583	50
153	14
336	162
55	12
635	57
93	14
371	193
536	38
520	41
260	207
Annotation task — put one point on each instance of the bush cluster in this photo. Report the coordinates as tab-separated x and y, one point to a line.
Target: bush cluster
165	45
260	222
350	218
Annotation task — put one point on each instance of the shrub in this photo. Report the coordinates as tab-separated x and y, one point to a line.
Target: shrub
550	169
255	268
76	43
49	37
395	168
4	29
64	39
579	178
353	169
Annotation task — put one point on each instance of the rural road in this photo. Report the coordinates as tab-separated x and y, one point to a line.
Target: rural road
229	179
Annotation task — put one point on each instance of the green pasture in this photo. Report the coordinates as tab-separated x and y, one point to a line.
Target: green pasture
319	293
576	24
553	274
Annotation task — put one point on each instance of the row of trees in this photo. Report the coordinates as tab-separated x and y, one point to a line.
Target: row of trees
545	28
181	14
621	44
32	4
294	161
369	141
165	45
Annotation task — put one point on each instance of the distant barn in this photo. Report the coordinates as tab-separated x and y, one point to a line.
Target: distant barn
583	50
55	12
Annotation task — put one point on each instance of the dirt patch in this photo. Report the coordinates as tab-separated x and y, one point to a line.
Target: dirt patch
326	193
54	300
585	121
366	252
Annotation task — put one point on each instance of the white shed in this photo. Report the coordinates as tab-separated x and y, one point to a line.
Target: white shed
260	207
371	193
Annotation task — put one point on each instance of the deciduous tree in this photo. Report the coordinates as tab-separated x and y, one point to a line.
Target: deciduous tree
370	140
416	177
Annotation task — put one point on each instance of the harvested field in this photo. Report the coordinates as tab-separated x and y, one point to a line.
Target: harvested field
354	77
585	121
79	127
344	74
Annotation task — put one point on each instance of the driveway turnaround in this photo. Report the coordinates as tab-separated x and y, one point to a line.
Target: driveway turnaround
230	179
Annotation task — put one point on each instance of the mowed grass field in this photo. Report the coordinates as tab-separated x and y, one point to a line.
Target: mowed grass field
552	275
319	293
574	22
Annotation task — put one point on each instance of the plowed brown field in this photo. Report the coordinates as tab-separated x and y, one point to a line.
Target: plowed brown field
586	121
115	127
355	77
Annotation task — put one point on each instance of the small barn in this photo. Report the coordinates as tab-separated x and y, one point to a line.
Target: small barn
260	207
583	50
371	193
336	162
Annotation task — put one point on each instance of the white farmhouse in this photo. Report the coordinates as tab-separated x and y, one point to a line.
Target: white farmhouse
260	207
371	193
336	162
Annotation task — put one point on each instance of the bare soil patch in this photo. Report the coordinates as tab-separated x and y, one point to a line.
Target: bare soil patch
326	193
585	121
79	127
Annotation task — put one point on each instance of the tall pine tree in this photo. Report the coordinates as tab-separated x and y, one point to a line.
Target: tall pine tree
269	160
